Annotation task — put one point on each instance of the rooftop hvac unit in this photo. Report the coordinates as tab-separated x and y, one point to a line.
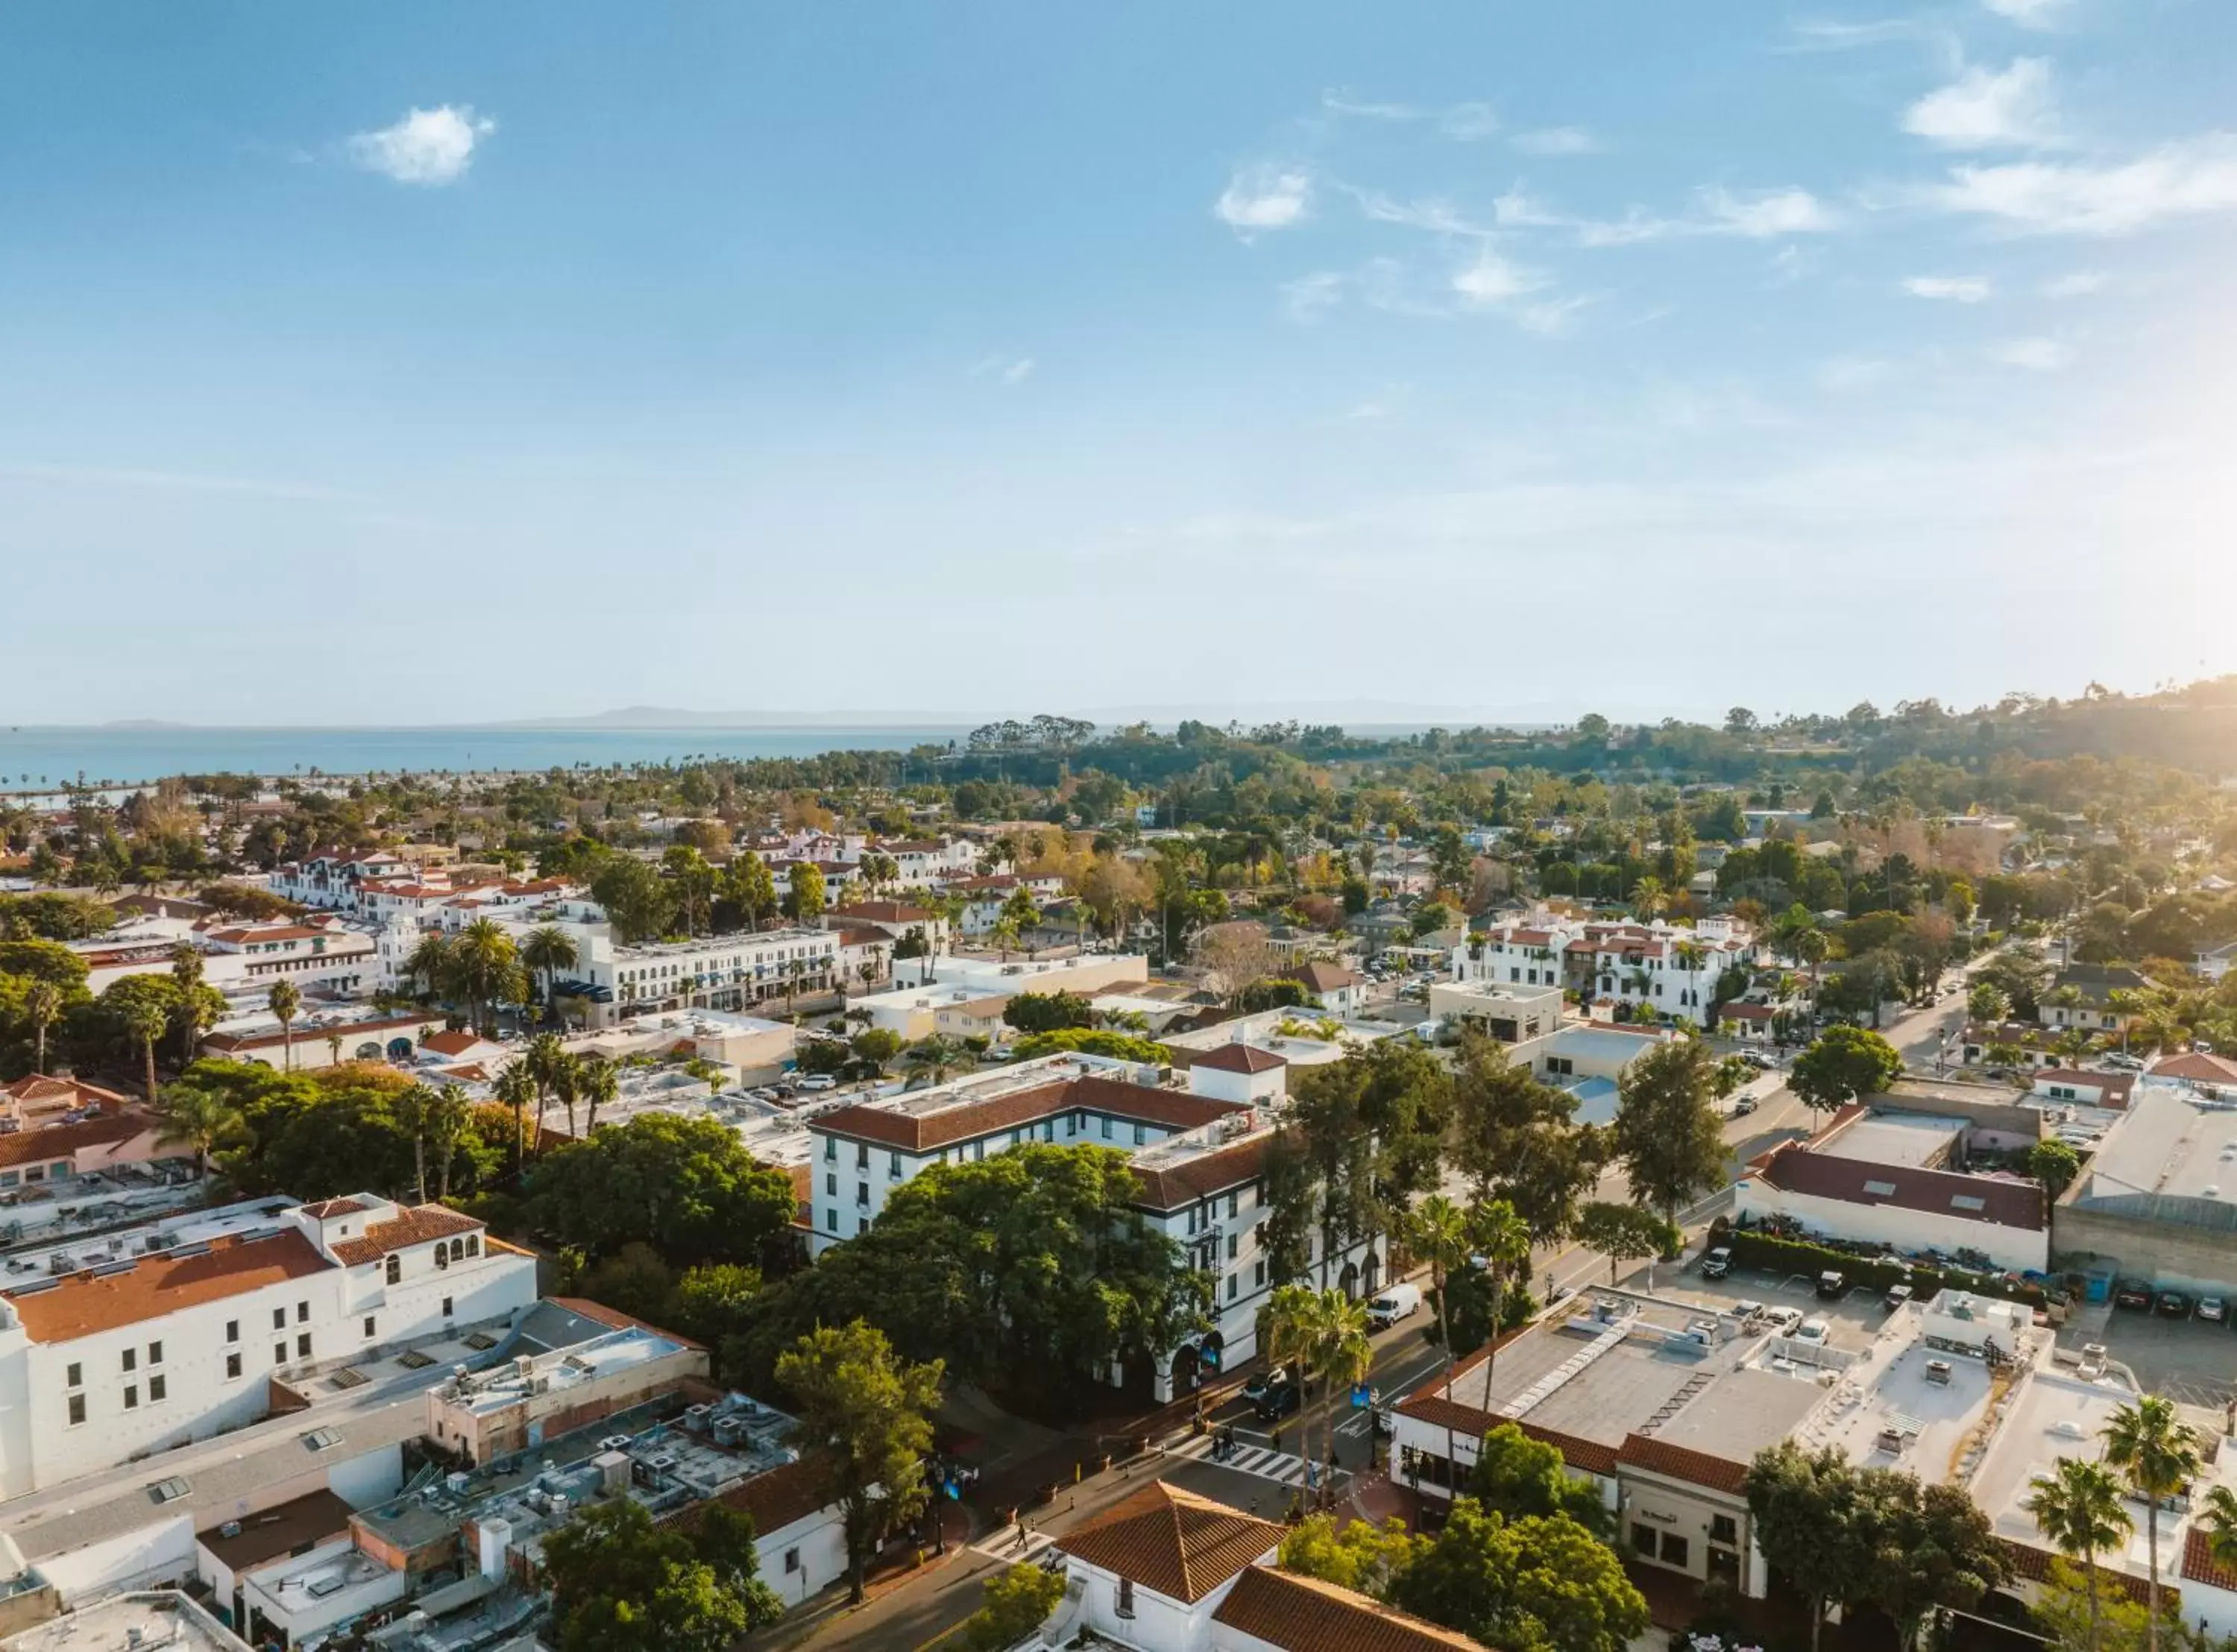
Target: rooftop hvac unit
696	1418
458	1484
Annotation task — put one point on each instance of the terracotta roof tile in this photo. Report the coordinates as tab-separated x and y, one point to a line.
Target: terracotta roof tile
1172	1541
1319	977
2200	1565
882	911
1681	1463
930	1131
1239	1058
1793	1169
326	1208
1170	1189
52	1141
417	1225
2206	1069
2034	1564
82	1304
1305	1615
616	1319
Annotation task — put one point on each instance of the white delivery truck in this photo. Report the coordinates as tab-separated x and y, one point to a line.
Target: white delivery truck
1393	1305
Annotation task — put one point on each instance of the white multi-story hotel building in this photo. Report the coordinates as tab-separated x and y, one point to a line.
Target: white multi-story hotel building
734	972
125	1345
1666	967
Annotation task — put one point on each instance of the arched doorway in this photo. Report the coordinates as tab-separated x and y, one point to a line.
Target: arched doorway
399	1049
1199	1362
1374	1274
368	1051
1348	1281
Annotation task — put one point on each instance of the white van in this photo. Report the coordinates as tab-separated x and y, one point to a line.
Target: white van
1393	1305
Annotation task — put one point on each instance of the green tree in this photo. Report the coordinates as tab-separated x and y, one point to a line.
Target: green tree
1357	1555
1845	1064
486	969
685	1186
1668	1136
620	1583
1517	1139
1541	1581
140	1007
545	952
1627	1234
936	1058
516	1087
2055	1164
1806	1508
285	1002
1048	1011
446	1121
752	889
1987	1003
2157	1453
870	1412
1014	1602
1516	1476
874	1047
1931	1546
1096	1040
190	1116
2080	1509
635	899
43	1007
186	979
804	901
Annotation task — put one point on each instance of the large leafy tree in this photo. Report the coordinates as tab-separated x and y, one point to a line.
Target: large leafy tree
867	1413
620	1583
684	1186
1845	1064
1014	1604
1517	1139
1627	1234
1667	1132
1542	1583
1031	1260
1809	1523
636	900
139	1007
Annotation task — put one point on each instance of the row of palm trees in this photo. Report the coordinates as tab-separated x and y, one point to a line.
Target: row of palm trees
205	1121
547	1072
482	966
1325	1331
2152	1454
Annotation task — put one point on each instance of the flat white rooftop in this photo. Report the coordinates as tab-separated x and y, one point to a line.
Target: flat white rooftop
2171	1141
1914	1139
161	1618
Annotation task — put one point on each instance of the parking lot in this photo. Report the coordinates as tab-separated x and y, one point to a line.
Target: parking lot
1851	1323
2190	1361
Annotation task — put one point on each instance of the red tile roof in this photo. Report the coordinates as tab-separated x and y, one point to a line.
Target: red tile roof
2198	1066
881	912
416	1225
1319	977
2005	1203
450	1044
2199	1563
53	1141
615	1320
1301	1613
1172	1541
1681	1463
326	1208
2034	1564
82	1304
1172	1188
1239	1058
966	1119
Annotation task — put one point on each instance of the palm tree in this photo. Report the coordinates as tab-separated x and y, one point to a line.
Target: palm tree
1648	897
1292	1315
1811	947
429	965
1345	1356
2156	1452
1502	1239
566	1085
516	1087
545	1059
1436	1231
2078	1508
187	976
43	1007
188	1115
335	1048
598	1081
485	967
545	952
937	1055
2218	1518
146	1021
415	1108
446	1121
284	1000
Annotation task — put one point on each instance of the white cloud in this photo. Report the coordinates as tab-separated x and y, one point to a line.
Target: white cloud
1469	122
1264	197
1984	110
1956	289
2181	179
1492	280
1551	318
1337	103
1770	212
432	147
1310	297
1438	217
2030	14
1556	140
2035	355
2079	284
1010	370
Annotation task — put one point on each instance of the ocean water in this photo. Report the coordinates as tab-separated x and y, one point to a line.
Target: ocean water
34	760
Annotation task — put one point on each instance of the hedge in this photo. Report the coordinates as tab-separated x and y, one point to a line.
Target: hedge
1753	1249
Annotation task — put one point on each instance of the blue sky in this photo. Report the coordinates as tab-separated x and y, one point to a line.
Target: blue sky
430	362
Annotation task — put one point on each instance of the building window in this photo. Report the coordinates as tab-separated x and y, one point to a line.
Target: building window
447	1308
155	1353
1642	1539
831	1149
1234	1240
1107	1129
1673	1549
1126	1604
279	1353
131	1359
1724	1530
1258	1276
302	1314
861	1195
1234	1285
1233	1204
1140	1136
792	1560
861	1156
368	1327
894	1166
395	1269
232	1329
831	1183
442	1257
303	1345
76	1375
232	1365
831	1217
131	1397
279	1318
76	1410
156	1387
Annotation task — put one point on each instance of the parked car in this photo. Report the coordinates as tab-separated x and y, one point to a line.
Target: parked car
1394	1305
1278	1400
1832	1285
2172	1305
2212	1310
1717	1263
1757	1059
2128	1293
1814	1331
1260	1381
1897	1296
2125	1064
1745	1311
1745	1105
818	1080
1783	1318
